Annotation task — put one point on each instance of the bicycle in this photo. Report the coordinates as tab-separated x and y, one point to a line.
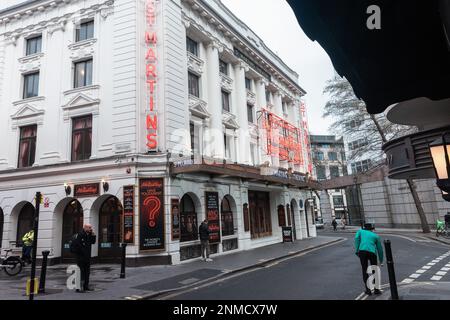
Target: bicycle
442	229
12	265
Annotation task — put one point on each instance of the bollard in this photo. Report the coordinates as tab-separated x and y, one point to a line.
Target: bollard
45	254
122	267
391	271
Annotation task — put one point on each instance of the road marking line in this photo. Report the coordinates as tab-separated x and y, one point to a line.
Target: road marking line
365	297
407	280
421	271
360	296
436	278
415	275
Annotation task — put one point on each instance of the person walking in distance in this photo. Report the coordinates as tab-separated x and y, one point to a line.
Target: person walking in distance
203	230
368	247
344	222
334	224
27	239
83	242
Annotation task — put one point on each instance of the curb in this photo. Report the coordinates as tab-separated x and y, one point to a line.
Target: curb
239	270
438	240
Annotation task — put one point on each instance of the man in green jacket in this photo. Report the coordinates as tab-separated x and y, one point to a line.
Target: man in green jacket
368	246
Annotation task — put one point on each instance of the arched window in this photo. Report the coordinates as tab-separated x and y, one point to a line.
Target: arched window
72	224
227	217
110	232
1	226
188	217
25	222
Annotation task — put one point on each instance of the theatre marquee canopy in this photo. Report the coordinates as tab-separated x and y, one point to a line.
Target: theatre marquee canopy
407	58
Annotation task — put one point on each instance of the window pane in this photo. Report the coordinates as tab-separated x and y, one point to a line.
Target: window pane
86	31
88	80
193	83
192	46
250	113
79	74
81	138
90	30
248	84
27	146
31	85
223	67
34	45
225	101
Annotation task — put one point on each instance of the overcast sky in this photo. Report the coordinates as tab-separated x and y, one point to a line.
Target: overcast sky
275	23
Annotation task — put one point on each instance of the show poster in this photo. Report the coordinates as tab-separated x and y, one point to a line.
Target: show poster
151	213
212	211
128	214
175	209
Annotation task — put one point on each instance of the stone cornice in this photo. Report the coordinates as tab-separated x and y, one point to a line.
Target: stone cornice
249	44
57	22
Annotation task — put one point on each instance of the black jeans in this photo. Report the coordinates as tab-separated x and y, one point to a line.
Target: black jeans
365	257
85	268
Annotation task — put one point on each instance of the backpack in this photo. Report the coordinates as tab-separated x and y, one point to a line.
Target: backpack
73	244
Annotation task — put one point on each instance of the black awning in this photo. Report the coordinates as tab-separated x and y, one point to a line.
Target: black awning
407	58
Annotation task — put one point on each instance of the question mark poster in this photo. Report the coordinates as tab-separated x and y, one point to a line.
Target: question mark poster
151	212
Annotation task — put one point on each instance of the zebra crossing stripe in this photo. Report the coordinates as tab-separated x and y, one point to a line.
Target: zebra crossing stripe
436	278
407	280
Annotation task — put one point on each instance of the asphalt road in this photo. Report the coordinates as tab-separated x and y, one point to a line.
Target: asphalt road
332	272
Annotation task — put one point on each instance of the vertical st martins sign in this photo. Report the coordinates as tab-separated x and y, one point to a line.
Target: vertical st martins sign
151	41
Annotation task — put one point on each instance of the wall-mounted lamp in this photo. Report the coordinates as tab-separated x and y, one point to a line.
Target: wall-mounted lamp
105	186
67	189
440	153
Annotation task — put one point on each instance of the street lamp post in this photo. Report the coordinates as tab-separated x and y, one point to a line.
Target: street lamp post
440	153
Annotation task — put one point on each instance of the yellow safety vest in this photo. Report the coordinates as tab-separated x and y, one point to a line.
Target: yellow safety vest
28	238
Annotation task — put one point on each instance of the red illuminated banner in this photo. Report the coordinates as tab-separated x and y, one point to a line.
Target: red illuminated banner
151	40
283	139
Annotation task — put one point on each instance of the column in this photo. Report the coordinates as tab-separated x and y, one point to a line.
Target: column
241	112
215	144
260	88
279	112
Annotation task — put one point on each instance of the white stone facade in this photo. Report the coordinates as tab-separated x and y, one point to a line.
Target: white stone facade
117	99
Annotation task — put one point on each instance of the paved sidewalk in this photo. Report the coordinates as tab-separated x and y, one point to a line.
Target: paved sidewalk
418	291
153	280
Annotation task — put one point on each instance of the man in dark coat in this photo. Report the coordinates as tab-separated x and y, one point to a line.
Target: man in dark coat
203	231
84	241
334	224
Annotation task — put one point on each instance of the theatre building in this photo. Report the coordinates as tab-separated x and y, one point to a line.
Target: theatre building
143	118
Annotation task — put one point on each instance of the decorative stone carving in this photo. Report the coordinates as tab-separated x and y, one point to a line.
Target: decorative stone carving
251	98
82	49
195	64
198	107
30	63
229	120
226	82
27	114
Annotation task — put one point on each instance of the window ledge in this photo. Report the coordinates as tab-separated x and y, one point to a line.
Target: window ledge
28	100
82	43
81	89
31	57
